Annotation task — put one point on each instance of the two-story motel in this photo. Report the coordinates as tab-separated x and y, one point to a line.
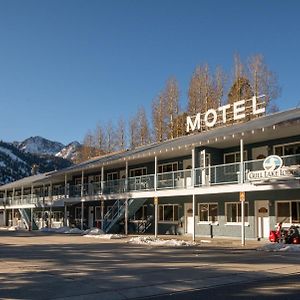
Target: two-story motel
204	184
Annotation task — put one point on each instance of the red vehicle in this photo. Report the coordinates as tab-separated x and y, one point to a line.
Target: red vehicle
289	236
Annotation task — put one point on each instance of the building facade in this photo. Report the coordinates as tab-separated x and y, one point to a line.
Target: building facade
207	183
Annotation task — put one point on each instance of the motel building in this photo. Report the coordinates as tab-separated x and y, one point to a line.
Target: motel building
235	174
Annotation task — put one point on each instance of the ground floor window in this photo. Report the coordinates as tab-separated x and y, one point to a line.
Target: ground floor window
233	212
208	212
288	212
168	212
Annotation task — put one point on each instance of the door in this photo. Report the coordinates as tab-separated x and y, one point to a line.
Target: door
188	213
204	166
262	218
91	217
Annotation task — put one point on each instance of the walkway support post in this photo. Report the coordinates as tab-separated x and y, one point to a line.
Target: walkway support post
155	173
155	216
126	217
242	198
82	200
194	214
65	204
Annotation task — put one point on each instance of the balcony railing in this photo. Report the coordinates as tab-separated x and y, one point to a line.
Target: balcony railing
182	179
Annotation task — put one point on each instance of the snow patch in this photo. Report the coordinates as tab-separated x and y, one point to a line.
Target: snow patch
152	241
66	230
11	155
279	247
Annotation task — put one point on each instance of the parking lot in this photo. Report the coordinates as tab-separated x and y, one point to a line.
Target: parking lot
58	266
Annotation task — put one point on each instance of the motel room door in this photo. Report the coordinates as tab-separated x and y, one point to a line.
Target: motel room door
188	213
262	218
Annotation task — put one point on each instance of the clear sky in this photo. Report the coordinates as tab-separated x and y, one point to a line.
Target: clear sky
66	65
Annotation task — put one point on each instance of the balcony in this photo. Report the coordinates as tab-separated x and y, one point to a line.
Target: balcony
183	179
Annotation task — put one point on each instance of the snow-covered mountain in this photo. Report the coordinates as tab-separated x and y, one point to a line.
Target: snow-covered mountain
39	145
18	158
70	151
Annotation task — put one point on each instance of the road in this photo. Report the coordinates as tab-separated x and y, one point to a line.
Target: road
57	266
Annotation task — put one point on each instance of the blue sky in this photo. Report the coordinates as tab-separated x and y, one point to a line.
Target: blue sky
66	65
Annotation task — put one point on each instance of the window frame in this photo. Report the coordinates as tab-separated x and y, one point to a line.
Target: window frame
290	221
173	218
208	221
237	203
283	147
144	172
167	164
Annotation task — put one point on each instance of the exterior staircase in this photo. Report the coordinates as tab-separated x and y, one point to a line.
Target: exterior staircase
25	215
117	212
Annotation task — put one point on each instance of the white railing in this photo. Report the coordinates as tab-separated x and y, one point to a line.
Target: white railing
182	179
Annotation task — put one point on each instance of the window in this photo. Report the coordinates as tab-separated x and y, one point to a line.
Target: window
233	157
233	212
169	167
168	212
112	176
141	214
288	212
208	212
138	172
287	149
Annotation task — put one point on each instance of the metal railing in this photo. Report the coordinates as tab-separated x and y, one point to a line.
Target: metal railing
182	179
175	180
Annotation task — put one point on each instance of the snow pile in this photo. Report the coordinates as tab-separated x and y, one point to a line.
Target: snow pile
152	241
97	233
280	247
11	228
93	231
105	236
66	230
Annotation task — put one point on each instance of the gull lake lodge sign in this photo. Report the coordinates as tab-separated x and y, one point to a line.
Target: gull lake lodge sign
239	111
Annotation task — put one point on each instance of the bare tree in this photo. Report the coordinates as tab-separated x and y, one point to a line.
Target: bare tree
100	139
133	133
121	135
201	93
143	127
171	95
110	137
263	81
159	118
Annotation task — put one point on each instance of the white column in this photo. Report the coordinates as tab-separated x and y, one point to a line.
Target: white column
102	179
31	194
126	176
193	168
241	161
126	217
43	208
194	219
82	214
155	216
102	214
31	218
22	194
5	212
82	200
242	202
50	198
155	173
66	186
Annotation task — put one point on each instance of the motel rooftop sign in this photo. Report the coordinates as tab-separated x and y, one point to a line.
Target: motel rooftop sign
235	112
